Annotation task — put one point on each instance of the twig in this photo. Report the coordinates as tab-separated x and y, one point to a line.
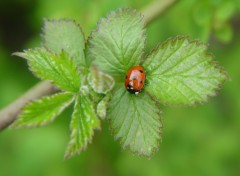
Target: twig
9	113
155	9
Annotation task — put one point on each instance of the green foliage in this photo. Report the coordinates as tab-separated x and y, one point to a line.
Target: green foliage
58	68
43	111
99	81
224	33
118	42
179	72
225	11
198	141
136	121
65	35
102	107
215	17
84	121
62	61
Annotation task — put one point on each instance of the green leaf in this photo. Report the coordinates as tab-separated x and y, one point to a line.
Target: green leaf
43	111
135	120
58	68
224	33
181	72
225	11
65	35
102	107
202	13
83	123
100	81
118	42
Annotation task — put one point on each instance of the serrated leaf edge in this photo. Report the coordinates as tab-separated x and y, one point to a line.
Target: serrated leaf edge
38	49
61	20
72	141
112	15
154	149
43	29
44	123
213	62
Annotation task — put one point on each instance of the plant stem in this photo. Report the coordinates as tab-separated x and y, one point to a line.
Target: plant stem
9	113
155	9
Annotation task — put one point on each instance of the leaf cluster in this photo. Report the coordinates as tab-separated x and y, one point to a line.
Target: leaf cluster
91	74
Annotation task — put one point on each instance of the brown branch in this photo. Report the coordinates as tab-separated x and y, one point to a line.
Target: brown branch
9	113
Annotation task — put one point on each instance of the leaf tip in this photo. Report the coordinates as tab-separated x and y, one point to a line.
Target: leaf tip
20	54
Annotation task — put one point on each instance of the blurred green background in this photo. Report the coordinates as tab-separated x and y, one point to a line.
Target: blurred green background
200	141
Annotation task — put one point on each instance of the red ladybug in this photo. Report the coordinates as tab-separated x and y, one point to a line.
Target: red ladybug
135	78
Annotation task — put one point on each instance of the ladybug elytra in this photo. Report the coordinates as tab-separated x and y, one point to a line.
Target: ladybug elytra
135	78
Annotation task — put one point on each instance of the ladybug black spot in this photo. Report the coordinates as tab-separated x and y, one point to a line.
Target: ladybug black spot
134	79
132	91
129	86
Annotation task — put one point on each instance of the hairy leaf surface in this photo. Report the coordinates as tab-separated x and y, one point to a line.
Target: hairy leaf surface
118	42
83	123
181	72
100	81
43	111
58	68
65	35
135	120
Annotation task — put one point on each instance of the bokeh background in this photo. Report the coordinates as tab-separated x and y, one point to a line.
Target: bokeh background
200	141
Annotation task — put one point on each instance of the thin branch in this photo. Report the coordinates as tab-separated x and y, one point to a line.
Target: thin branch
155	9
9	113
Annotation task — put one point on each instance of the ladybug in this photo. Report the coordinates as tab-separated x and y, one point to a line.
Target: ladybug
134	80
